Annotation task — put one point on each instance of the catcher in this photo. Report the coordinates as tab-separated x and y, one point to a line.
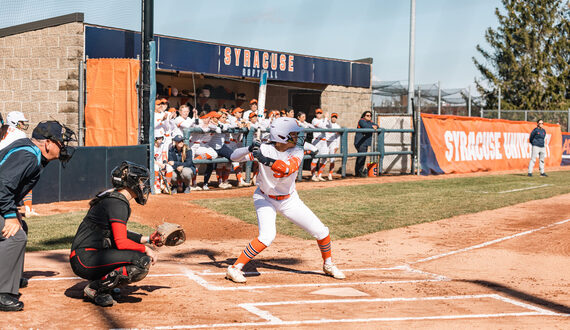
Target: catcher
103	250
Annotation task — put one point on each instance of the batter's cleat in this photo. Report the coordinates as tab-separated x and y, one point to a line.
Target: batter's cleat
543	174
332	270
314	178
235	275
29	212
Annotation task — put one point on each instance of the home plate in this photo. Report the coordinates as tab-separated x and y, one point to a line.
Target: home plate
341	292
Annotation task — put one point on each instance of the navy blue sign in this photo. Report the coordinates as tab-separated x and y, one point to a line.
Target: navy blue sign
209	58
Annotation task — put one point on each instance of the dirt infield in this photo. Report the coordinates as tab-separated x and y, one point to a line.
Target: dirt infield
505	268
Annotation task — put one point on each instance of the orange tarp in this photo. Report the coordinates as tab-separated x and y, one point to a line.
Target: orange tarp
464	144
111	113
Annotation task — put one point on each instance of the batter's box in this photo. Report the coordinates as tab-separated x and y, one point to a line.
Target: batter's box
283	279
391	309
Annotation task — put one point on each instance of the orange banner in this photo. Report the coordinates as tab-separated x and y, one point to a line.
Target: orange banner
111	112
464	144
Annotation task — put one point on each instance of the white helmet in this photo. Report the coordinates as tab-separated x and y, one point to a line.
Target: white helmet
15	117
158	133
280	129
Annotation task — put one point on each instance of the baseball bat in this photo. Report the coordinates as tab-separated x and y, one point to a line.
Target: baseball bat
261	98
166	184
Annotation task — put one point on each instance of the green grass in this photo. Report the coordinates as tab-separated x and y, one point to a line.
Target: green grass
357	210
57	231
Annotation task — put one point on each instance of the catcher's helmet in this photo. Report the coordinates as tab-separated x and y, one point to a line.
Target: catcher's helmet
134	177
281	129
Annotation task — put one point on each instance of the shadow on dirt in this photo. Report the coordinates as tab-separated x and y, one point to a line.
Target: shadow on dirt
553	306
36	273
253	268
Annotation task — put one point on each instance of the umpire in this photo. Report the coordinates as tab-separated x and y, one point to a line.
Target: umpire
21	164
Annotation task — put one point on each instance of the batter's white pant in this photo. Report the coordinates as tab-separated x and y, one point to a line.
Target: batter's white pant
541	153
293	209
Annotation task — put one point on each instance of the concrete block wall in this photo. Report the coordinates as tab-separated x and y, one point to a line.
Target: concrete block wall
39	74
349	103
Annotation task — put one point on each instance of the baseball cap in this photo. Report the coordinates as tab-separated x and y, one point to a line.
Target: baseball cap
236	110
252	114
319	110
161	101
49	130
253	101
178	138
334	114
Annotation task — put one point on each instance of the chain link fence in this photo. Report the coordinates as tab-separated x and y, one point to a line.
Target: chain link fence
560	117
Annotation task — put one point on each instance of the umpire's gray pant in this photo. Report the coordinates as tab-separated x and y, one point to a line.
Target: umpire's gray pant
12	261
184	176
537	151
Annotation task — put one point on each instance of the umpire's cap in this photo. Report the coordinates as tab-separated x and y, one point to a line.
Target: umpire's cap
49	130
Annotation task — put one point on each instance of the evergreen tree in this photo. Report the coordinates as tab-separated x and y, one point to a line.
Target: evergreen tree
528	57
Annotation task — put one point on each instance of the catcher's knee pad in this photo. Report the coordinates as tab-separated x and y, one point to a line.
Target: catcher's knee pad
139	269
126	274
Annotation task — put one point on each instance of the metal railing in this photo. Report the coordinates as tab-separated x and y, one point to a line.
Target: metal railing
377	151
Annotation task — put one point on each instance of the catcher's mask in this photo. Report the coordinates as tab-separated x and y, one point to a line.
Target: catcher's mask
134	177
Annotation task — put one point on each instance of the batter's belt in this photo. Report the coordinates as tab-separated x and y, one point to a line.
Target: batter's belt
276	197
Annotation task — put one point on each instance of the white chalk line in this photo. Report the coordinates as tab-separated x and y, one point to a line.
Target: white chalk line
204	283
270	319
508	191
79	278
293	271
521	189
489	242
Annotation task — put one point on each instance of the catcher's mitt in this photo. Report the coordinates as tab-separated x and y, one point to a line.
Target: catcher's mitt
169	234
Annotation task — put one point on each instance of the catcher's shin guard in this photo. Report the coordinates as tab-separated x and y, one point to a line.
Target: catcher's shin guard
135	272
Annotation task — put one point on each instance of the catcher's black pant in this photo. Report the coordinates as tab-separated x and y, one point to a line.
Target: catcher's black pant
93	264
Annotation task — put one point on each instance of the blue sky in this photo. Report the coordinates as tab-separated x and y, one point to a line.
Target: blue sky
447	31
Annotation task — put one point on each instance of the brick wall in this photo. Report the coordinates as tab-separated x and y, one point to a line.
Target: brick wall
39	74
349	103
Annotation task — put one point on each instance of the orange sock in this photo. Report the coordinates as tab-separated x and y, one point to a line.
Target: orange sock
325	247
239	177
28	200
313	167
250	251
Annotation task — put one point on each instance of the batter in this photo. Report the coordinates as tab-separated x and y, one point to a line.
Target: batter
279	163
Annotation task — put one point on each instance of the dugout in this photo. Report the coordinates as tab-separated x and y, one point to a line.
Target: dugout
44	69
